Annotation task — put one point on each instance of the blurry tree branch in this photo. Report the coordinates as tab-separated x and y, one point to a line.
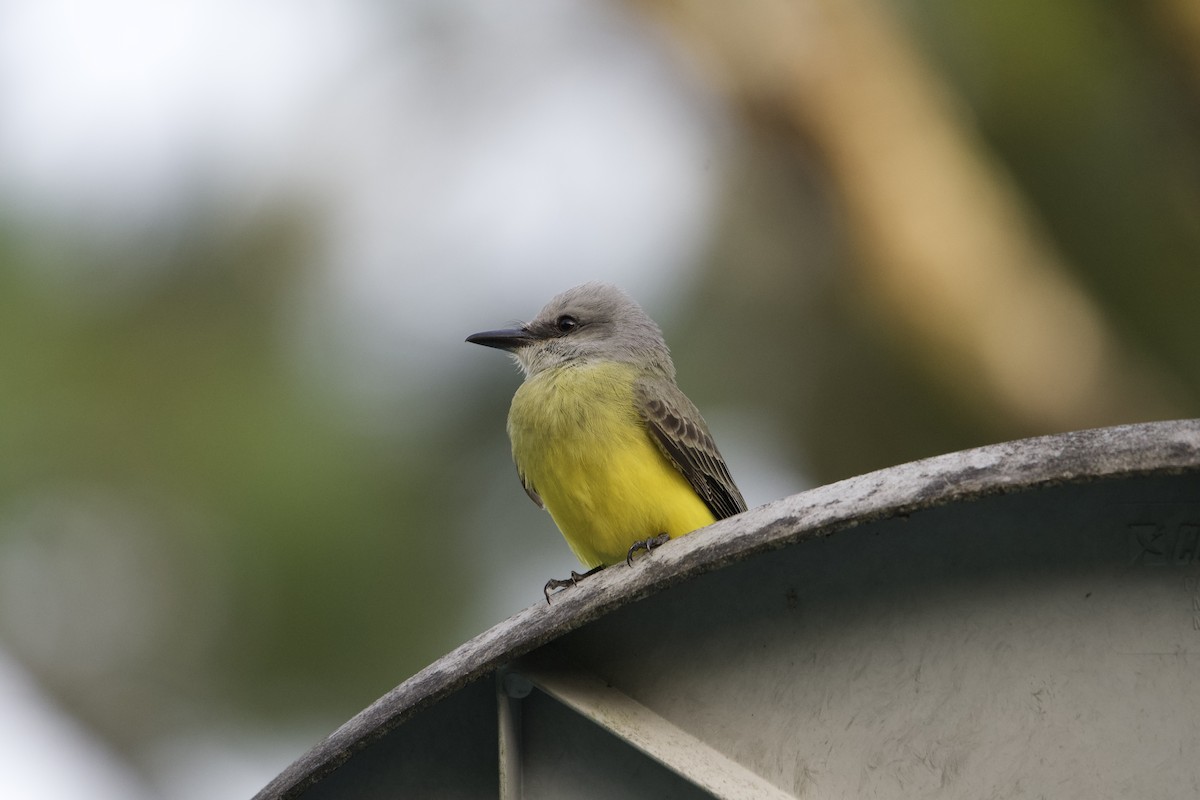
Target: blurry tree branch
1180	22
950	254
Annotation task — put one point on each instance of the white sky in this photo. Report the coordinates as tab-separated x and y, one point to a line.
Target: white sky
45	754
467	161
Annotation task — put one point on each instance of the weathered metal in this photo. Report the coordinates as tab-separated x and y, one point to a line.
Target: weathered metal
1005	621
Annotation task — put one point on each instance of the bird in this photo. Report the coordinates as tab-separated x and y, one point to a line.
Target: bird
602	436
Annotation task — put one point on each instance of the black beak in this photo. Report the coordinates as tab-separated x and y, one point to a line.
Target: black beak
509	339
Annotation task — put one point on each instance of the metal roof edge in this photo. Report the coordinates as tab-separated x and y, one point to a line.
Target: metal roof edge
1081	456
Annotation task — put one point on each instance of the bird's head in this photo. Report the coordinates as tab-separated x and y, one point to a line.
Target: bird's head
592	323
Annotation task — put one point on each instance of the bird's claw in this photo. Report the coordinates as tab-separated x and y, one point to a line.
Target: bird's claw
554	584
647	545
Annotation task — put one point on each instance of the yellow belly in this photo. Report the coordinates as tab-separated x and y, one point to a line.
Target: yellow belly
580	443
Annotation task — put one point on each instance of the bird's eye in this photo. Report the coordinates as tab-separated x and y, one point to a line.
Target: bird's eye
566	323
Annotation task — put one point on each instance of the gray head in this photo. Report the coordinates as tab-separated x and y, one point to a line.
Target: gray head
591	323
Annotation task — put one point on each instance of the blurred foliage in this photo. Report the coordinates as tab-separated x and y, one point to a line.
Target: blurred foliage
1099	128
1099	123
779	321
181	404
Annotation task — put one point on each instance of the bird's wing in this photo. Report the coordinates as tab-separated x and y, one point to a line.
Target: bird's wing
529	490
679	430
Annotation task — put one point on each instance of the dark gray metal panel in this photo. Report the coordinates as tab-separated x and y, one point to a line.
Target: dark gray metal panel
929	560
447	752
566	756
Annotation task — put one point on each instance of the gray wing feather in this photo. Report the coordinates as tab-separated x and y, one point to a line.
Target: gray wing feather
679	431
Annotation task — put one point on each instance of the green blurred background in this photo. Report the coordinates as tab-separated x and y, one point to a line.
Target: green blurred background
252	477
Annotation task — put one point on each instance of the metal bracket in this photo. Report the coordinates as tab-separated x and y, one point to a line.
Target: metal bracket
623	717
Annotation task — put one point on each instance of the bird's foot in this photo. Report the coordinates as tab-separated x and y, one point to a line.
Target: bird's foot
647	545
554	584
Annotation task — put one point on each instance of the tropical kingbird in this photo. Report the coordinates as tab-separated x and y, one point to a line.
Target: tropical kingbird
602	437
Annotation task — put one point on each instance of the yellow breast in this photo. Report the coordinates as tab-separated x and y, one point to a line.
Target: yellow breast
579	442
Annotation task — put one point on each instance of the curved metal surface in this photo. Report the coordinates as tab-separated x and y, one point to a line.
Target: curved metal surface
983	623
